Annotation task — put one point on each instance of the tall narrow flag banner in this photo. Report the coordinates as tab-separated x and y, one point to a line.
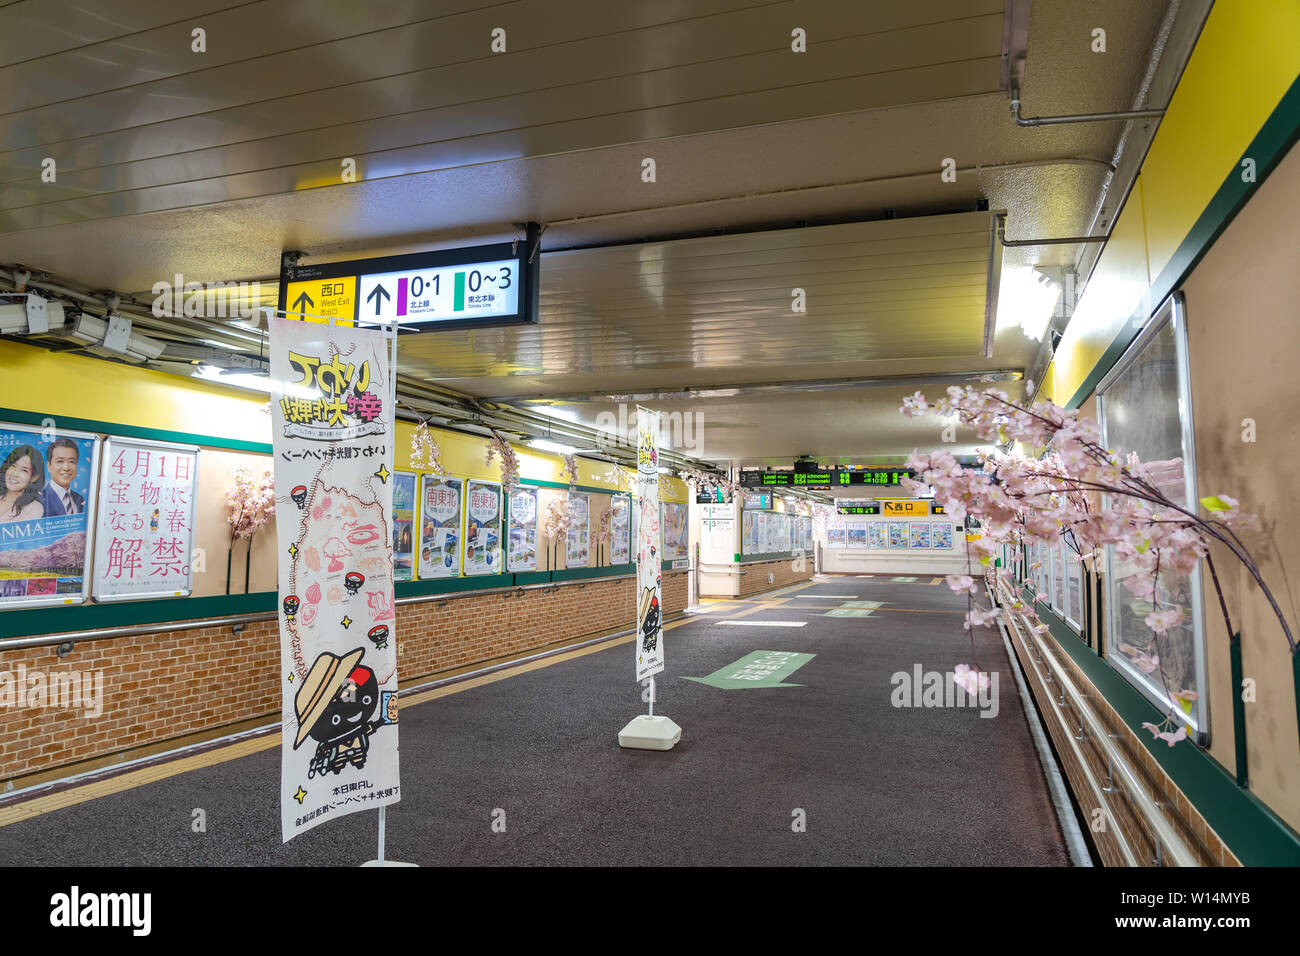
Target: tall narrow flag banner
649	548
332	411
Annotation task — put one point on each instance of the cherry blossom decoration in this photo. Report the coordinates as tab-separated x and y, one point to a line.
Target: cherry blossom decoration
499	447
250	504
703	482
559	520
570	468
425	453
1020	499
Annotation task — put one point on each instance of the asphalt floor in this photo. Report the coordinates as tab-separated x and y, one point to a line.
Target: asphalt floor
873	783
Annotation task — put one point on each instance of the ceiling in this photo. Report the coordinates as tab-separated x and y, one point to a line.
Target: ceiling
773	170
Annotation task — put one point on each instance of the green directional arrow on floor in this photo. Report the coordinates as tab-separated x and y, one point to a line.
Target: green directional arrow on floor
758	669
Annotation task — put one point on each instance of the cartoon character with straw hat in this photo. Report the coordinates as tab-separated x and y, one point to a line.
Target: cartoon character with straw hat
335	705
648	613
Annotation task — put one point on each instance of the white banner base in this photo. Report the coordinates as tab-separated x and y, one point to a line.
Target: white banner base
387	863
649	733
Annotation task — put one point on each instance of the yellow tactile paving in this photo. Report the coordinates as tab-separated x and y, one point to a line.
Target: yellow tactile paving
36	806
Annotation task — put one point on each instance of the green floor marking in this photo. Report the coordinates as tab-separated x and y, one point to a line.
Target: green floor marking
757	669
869	605
849	612
904	580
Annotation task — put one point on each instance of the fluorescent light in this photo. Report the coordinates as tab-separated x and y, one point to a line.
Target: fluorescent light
1027	298
259	383
542	444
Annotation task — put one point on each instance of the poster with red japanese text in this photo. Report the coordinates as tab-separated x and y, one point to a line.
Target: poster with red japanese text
332	415
145	527
46	515
649	548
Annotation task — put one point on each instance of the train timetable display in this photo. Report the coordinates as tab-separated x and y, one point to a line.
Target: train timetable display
827	478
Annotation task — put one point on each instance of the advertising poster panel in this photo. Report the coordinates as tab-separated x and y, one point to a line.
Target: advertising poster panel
440	527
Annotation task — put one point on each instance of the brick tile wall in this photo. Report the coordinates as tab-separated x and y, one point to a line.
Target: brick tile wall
161	687
785	571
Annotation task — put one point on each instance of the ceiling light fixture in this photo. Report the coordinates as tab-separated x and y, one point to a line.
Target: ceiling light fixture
1027	298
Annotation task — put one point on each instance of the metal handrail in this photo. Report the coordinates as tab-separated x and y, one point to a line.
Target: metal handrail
1166	836
234	620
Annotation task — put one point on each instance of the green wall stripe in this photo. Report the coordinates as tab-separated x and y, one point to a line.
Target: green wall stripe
20	417
1243	822
1275	138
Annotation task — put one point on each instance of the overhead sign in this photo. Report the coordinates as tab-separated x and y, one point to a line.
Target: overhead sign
826	478
447	289
320	300
908	508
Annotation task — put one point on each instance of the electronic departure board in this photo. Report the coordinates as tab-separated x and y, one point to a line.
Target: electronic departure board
826	478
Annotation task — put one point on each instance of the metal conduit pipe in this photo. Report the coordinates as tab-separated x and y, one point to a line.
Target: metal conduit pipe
1002	238
1166	837
1077	117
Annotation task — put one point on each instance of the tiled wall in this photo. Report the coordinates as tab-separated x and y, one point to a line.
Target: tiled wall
161	688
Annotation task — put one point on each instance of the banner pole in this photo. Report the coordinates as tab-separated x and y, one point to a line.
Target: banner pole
381	835
652	696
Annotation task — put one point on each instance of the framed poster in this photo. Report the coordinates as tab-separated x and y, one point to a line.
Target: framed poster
748	533
482	527
440	527
835	533
919	534
145	527
620	527
577	540
47	515
898	534
403	525
521	542
876	534
857	532
941	534
676	530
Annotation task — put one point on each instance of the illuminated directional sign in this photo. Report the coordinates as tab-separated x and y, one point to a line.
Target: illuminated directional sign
828	478
447	289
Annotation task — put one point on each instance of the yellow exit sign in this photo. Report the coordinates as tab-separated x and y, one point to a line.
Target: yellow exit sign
904	508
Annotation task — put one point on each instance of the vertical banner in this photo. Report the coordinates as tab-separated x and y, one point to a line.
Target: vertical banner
521	545
649	548
620	542
577	544
403	525
46	515
332	415
440	527
482	527
145	530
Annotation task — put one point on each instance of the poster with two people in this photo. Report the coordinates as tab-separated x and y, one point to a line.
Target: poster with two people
46	514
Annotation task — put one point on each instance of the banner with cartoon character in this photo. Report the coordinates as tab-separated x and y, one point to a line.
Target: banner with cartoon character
521	549
440	527
332	414
46	515
649	548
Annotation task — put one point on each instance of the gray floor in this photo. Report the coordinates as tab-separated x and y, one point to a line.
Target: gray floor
879	785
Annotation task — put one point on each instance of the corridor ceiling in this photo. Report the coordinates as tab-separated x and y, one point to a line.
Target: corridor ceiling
773	170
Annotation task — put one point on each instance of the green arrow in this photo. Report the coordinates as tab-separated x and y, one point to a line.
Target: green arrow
757	670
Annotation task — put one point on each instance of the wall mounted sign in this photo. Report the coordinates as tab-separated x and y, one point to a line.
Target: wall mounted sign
620	524
403	525
47	514
482	527
447	289
906	507
440	527
825	478
521	542
577	540
145	532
